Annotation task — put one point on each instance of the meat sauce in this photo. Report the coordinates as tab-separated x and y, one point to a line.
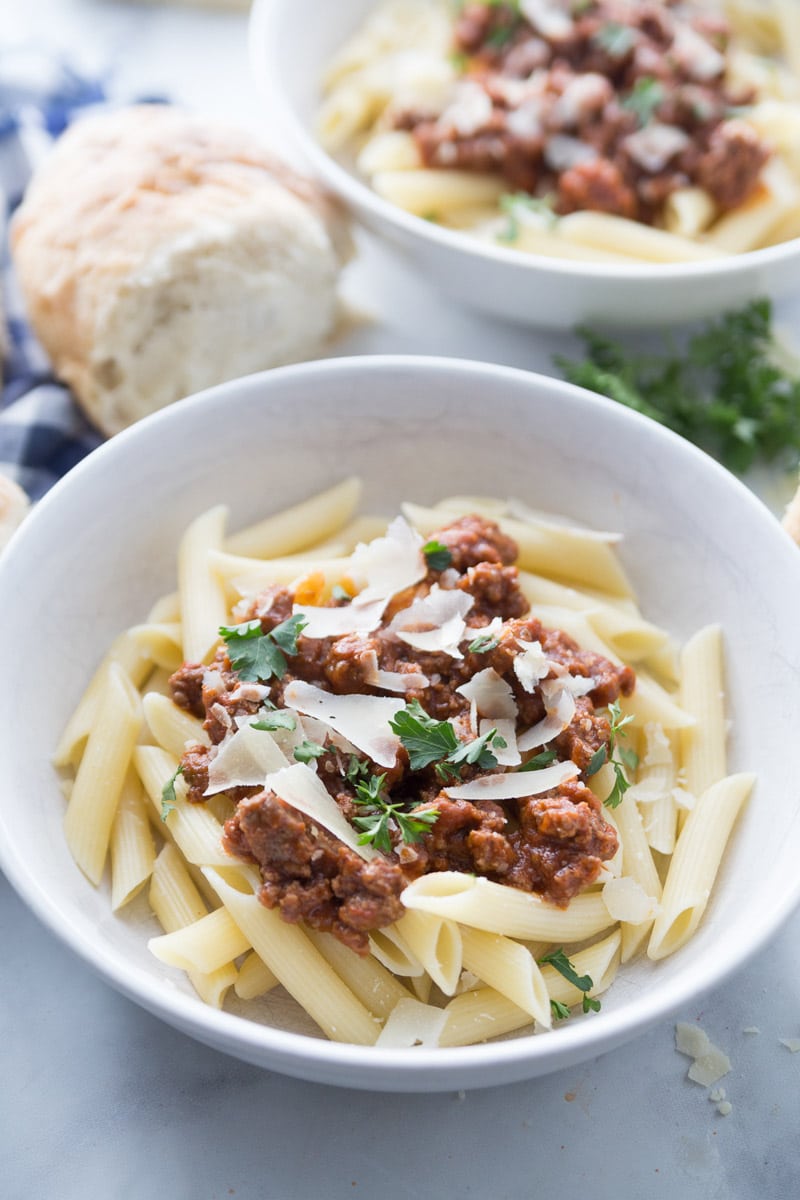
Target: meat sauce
605	105
554	844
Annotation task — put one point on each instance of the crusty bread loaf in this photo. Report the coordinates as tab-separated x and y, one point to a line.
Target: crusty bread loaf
159	254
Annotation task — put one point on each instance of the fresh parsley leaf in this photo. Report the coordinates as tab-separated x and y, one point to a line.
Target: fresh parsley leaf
258	656
501	35
539	760
376	821
437	555
339	593
598	760
560	1011
477	752
629	758
356	769
425	739
617	40
621	784
483	642
513	204
590	1004
270	721
559	960
286	634
732	389
446	773
168	797
644	99
308	750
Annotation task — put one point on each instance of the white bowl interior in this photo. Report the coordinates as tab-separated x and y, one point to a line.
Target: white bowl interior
101	548
526	288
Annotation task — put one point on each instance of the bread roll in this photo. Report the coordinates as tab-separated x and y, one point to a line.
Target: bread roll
159	254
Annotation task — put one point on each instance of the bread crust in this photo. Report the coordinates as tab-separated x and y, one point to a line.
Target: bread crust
132	196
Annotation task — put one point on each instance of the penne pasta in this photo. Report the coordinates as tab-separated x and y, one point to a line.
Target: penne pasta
445	955
301	526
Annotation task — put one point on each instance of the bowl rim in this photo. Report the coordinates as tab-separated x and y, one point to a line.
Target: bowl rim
526	1055
266	60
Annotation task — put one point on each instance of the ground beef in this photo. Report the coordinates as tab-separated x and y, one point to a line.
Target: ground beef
556	97
552	845
311	876
186	686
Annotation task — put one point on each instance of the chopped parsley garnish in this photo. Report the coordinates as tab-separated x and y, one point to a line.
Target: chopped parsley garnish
730	391
270	721
168	797
584	983
483	642
260	656
356	770
425	739
560	1011
340	593
501	35
627	758
308	750
379	813
645	98
437	555
515	203
429	741
539	760
615	39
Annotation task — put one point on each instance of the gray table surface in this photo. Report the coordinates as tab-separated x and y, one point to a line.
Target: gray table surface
99	1099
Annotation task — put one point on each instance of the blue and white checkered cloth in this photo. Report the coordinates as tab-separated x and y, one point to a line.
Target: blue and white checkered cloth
42	431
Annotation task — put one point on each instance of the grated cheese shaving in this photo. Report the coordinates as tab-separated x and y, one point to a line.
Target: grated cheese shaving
492	695
434	623
301	787
531	665
338	622
243	760
508	756
388	564
514	785
626	900
363	720
791	1044
560	708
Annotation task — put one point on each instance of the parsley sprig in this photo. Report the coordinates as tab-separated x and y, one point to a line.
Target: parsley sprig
308	750
430	741
168	798
626	757
437	555
729	391
257	656
515	204
584	983
270	721
483	642
539	761
379	814
644	98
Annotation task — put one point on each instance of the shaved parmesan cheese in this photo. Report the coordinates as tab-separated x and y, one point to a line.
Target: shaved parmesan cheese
507	729
363	720
434	623
697	56
691	1040
652	148
337	622
626	900
708	1068
725	1108
717	1094
470	110
658	751
244	760
791	1044
301	787
531	665
514	785
250	693
398	681
492	695
560	708
412	1023
388	564
751	1029
547	17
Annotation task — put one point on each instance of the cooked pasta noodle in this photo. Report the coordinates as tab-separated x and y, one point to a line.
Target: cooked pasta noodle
466	956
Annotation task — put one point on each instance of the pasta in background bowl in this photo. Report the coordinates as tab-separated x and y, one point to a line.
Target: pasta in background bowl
396	71
698	548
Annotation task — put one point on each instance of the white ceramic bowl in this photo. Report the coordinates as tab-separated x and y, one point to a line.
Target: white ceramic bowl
101	547
291	42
